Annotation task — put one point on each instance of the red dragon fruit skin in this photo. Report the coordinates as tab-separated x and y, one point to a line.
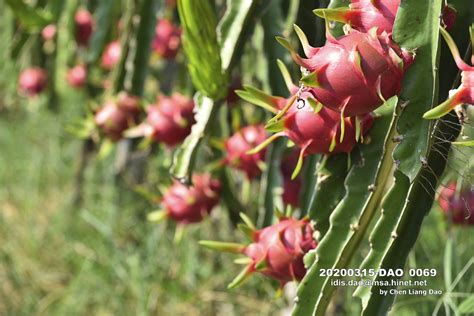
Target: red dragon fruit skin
291	188
113	118
319	133
84	24
355	73
77	76
363	15
170	119
449	16
465	93
238	145
32	81
49	32
192	204
111	55
458	207
280	248
167	39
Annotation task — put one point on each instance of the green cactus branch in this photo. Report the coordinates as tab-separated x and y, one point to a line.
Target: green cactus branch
417	28
382	235
365	185
209	74
419	202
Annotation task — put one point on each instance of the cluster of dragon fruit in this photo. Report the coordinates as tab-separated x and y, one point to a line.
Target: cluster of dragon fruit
329	111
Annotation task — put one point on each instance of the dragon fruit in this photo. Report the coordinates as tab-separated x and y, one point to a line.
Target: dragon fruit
355	73
458	206
364	15
49	32
291	188
111	55
32	81
276	251
189	204
239	144
168	121
77	76
167	39
114	117
313	128
84	24
449	16
465	93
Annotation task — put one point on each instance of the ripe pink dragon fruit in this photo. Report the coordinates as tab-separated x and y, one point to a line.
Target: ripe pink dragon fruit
314	129
84	24
111	55
167	39
291	188
77	76
169	120
114	117
48	32
238	145
355	73
277	251
191	204
465	93
32	81
364	15
458	206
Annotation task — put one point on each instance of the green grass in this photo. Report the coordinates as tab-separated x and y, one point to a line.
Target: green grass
103	258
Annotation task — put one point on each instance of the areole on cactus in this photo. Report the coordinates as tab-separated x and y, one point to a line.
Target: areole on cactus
275	251
354	74
189	204
465	93
315	129
363	15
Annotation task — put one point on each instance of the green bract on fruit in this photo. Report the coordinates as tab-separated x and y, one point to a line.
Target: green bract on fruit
363	15
465	93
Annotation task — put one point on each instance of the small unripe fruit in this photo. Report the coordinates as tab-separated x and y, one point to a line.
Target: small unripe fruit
170	119
84	24
77	76
32	81
111	55
458	207
238	145
49	32
167	39
114	117
191	204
